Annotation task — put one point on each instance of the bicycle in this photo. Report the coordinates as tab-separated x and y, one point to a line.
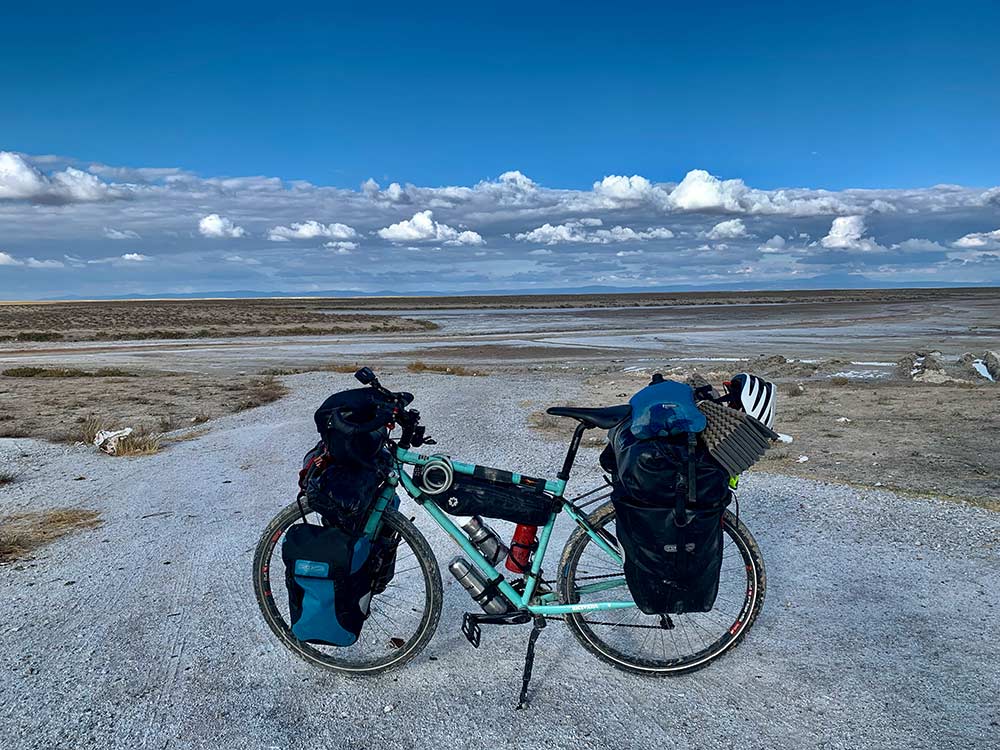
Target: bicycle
589	592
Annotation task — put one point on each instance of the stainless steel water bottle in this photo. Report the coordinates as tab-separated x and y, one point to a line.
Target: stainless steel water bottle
486	540
473	582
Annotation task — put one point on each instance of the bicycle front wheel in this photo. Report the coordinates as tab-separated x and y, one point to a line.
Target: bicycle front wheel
401	619
658	644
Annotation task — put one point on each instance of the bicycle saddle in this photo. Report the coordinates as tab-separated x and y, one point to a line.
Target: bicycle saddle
605	417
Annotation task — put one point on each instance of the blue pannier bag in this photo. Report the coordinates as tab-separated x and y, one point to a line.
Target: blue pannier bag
664	408
329	577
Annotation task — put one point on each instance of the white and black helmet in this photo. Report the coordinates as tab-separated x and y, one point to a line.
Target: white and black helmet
753	395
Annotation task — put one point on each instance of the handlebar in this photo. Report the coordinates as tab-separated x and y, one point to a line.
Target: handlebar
414	434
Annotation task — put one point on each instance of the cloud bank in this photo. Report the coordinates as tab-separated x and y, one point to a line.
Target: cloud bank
70	227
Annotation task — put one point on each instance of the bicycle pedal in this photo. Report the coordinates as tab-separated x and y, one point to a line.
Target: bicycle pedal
471	630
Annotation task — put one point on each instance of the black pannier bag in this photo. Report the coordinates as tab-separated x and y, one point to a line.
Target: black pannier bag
524	503
329	577
669	497
343	494
343	484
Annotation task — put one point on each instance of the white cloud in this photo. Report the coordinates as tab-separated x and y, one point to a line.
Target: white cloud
19	180
422	227
623	189
727	230
243	260
846	233
310	230
120	234
135	257
582	231
35	263
341	247
214	225
6	259
775	244
989	240
395	193
701	191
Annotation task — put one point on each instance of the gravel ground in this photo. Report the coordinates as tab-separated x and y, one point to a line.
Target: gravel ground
145	632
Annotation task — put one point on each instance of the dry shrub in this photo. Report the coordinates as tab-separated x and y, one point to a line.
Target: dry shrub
7	477
263	390
839	380
420	366
22	533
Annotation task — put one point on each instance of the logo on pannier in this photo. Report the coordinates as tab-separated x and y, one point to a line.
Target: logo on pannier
689	547
312	569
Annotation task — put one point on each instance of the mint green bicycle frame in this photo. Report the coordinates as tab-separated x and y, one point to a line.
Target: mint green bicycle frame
543	605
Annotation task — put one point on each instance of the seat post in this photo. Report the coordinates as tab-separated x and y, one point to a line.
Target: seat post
574	446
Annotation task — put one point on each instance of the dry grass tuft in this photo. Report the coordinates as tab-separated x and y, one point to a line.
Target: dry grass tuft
7	477
839	380
141	442
89	428
22	533
263	390
420	366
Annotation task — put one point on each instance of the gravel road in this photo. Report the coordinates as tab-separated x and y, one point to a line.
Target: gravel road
145	633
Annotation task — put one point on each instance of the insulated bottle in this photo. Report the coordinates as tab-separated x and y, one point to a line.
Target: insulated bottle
522	544
485	539
472	581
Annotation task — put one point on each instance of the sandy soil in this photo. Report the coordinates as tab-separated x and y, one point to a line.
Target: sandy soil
55	408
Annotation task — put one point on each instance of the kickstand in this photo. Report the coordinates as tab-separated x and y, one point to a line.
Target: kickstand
529	661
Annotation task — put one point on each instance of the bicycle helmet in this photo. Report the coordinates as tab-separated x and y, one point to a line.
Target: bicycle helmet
753	395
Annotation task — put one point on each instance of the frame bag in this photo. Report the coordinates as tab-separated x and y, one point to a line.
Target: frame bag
524	503
329	577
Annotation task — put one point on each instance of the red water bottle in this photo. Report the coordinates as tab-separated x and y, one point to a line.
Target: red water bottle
522	544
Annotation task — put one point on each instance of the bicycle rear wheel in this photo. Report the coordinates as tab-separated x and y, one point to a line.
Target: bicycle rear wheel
653	644
402	618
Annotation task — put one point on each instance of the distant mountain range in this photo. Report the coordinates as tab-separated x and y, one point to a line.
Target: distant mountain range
830	282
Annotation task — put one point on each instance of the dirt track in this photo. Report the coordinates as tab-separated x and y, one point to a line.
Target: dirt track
143	633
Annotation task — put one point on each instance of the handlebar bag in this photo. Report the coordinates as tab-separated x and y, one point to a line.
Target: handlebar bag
520	503
328	574
352	424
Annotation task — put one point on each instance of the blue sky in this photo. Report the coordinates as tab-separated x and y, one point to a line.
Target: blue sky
889	97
